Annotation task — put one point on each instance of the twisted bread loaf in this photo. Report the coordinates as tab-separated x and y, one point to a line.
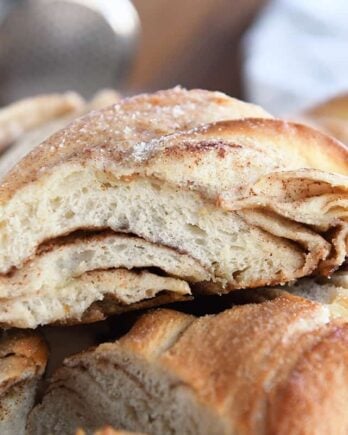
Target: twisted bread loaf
277	367
227	205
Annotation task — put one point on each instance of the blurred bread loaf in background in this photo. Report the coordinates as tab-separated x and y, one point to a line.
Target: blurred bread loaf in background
26	123
331	117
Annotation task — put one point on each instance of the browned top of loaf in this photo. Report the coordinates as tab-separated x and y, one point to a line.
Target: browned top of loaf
317	390
23	355
106	135
226	357
133	120
272	367
252	367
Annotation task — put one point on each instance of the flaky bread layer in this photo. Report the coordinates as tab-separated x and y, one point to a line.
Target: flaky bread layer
79	300
63	260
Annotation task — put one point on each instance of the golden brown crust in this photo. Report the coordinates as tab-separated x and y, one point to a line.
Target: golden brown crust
156	331
120	126
277	367
239	360
317	390
316	150
226	357
259	354
29	113
23	356
88	143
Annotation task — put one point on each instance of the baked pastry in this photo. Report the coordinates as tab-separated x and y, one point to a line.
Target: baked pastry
330	116
30	113
227	205
278	366
23	357
27	123
331	292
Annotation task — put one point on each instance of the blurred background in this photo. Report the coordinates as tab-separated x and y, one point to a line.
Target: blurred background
283	54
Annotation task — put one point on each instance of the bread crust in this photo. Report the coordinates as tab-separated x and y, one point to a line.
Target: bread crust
30	113
93	137
27	123
227	193
317	389
102	131
278	366
22	355
23	358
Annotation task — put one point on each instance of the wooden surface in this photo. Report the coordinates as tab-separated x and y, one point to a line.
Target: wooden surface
195	43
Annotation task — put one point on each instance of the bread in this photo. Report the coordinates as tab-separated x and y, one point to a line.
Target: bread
226	196
279	366
86	265
34	119
330	116
103	98
331	292
118	290
29	113
23	358
107	430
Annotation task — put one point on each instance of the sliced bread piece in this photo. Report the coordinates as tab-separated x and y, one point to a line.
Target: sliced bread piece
248	202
